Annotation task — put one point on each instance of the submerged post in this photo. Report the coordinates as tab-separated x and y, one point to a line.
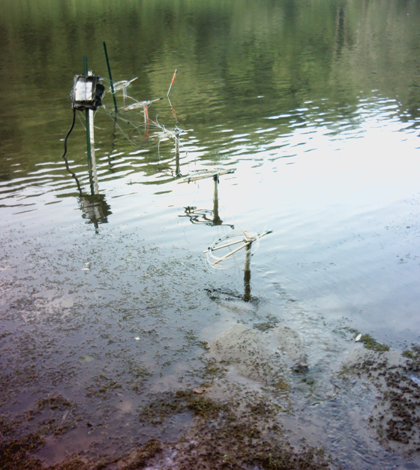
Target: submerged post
216	218
247	273
177	164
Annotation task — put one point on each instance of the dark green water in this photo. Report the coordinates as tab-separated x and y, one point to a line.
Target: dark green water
314	104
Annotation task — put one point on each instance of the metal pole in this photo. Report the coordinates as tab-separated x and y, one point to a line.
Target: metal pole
90	135
88	118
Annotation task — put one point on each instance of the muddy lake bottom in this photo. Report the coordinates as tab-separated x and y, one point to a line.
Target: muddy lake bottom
108	361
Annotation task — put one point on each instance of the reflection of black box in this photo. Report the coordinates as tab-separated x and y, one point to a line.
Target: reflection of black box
87	92
95	208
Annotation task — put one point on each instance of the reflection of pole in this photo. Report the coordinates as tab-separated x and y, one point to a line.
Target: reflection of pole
247	273
146	120
167	94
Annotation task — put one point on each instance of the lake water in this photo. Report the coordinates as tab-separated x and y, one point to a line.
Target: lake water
313	109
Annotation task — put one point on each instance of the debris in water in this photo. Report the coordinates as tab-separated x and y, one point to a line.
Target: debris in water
358	337
87	359
122	85
87	267
245	239
415	379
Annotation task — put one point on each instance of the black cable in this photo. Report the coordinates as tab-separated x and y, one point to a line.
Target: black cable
65	151
67	136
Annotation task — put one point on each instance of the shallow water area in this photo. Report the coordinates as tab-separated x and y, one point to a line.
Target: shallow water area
308	111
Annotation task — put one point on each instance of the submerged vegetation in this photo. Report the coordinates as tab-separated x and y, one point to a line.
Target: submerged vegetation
231	433
169	403
413	353
396	414
371	343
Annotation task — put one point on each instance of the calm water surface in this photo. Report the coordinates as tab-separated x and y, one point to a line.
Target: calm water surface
313	106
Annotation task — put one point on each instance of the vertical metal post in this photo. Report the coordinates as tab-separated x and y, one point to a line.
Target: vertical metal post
247	273
89	118
90	135
87	114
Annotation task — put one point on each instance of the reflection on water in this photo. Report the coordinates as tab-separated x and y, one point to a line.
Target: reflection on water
95	209
207	216
316	107
93	205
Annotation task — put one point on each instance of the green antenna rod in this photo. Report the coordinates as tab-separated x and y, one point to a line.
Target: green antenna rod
110	77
